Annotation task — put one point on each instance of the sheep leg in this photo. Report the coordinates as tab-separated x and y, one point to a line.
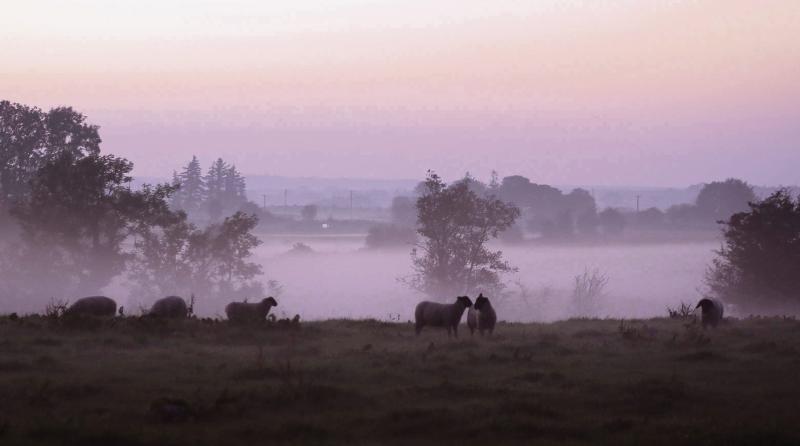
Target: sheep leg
455	330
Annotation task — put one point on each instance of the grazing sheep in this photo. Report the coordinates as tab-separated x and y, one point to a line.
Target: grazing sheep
481	316
711	313
242	312
441	315
170	307
92	306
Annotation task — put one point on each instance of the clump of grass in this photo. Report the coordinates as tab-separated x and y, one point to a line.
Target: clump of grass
588	289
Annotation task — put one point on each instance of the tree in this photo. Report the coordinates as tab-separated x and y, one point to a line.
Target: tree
76	218
29	138
758	264
309	212
215	189
456	224
192	192
717	201
179	258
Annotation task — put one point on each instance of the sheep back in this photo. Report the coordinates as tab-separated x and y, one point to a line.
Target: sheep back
170	307
93	306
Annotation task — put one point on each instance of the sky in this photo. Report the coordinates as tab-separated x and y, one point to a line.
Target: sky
602	92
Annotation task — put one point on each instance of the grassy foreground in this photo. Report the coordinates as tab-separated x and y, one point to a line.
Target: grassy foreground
137	382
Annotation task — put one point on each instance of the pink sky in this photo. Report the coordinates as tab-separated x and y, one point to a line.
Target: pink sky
567	92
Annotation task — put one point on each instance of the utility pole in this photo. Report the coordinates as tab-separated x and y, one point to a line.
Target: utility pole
265	200
285	193
637	204
351	205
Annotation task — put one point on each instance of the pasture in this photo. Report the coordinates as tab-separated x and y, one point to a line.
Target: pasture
131	381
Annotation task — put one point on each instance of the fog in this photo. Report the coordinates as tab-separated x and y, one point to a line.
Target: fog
341	279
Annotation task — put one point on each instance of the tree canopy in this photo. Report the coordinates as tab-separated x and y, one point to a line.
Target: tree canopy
758	264
456	224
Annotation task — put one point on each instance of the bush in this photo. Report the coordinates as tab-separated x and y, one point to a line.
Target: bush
758	264
387	236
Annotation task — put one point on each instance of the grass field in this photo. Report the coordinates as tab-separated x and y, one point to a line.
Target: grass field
137	382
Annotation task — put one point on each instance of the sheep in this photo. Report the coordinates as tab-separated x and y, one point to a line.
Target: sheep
170	307
481	316
92	306
243	312
441	315
712	310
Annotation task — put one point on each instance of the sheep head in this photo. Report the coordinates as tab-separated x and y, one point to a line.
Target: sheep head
481	301
465	301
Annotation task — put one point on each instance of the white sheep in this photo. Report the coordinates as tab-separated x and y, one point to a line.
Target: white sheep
170	307
92	306
481	316
242	312
712	310
441	315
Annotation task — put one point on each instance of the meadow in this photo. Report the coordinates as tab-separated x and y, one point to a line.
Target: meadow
139	381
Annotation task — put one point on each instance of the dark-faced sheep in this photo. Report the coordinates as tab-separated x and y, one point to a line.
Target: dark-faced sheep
712	310
170	307
481	316
242	312
432	314
92	306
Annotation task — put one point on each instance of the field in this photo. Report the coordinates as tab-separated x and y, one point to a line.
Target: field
202	382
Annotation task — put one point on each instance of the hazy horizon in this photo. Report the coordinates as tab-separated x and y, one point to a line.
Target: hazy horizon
651	93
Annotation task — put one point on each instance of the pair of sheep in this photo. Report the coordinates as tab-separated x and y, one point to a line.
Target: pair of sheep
173	307
170	307
481	316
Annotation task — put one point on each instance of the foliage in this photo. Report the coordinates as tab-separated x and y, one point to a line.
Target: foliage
30	138
179	259
456	224
76	218
192	192
719	200
758	264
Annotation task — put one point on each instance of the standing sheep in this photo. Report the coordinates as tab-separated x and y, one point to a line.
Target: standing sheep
92	306
481	316
441	315
712	310
170	307
242	312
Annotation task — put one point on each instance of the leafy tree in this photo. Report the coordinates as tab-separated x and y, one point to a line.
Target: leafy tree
178	258
759	261
76	218
456	225
309	212
717	201
30	137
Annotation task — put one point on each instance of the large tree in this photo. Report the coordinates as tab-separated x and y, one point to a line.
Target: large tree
192	192
178	258
30	138
75	220
718	200
456	225
758	264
